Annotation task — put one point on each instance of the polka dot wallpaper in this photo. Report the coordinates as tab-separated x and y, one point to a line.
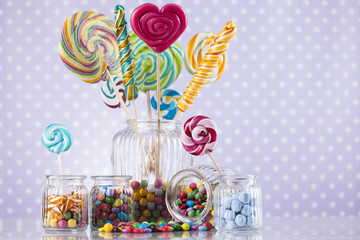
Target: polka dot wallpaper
287	105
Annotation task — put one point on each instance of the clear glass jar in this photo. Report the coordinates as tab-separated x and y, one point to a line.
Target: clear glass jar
201	175
238	203
135	152
64	203
111	201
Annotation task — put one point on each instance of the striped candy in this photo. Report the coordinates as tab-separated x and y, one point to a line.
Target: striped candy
57	138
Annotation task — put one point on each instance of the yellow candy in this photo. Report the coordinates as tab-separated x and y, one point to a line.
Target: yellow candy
108	227
101	229
199	184
146	213
130	201
137	190
143	202
164	186
53	223
142	219
137	196
71	223
212	212
101	234
118	202
185	227
171	222
188	190
143	192
150	197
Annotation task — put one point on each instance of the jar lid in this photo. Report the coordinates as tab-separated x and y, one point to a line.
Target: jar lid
65	177
112	177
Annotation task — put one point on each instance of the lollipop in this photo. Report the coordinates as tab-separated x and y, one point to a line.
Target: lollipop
199	136
108	93
57	138
168	102
126	55
205	70
195	52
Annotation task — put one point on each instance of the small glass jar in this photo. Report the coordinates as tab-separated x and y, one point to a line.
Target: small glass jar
65	203
111	201
238	203
201	180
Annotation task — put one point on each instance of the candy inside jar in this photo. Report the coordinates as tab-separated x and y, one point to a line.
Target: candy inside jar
111	200
64	203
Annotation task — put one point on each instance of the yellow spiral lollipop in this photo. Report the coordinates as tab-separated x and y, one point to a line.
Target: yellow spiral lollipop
211	61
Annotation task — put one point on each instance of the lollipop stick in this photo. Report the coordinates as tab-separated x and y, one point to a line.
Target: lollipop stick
177	115
148	104
59	161
214	162
158	113
134	107
113	85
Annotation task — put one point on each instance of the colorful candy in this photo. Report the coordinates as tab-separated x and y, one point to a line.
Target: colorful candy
108	93
57	138
195	52
158	28
192	201
88	46
169	99
199	135
126	54
211	61
145	64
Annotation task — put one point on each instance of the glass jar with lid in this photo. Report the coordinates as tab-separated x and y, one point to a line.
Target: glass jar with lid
111	201
238	203
65	203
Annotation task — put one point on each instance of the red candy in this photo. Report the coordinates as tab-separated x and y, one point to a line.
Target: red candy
182	194
182	206
192	186
199	207
112	217
166	229
207	225
138	230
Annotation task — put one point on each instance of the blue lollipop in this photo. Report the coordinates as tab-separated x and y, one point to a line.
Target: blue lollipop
169	99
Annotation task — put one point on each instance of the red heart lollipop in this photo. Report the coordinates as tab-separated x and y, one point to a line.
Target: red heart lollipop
158	28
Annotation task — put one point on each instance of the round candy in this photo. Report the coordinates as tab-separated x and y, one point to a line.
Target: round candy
57	138
185	226
195	52
202	228
100	196
168	101
143	183
71	223
158	183
53	223
88	46
67	215
199	135
62	223
135	184
108	227
145	64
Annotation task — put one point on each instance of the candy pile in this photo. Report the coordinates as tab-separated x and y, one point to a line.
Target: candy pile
66	211
192	201
160	226
238	211
111	205
149	203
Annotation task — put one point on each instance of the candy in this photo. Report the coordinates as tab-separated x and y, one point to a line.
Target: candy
71	223
199	135
62	223
57	138
202	228
126	54
185	226
108	227
205	70
88	46
236	205
145	64
53	223
108	93
240	220
195	52
158	28
168	101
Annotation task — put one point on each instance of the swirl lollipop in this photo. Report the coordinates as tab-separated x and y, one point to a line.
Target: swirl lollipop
108	93
199	137
57	138
195	52
168	102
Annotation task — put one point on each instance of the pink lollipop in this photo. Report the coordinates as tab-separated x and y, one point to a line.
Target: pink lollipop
158	28
199	135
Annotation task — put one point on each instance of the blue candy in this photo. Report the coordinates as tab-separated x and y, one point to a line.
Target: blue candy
109	192
240	220
236	205
97	203
246	210
244	197
190	203
229	215
122	216
115	210
109	221
226	202
190	224
57	138
168	103
202	228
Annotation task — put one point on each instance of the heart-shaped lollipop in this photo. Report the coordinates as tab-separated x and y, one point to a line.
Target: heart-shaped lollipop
158	28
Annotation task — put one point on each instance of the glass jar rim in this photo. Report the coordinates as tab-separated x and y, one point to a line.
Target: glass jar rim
65	177
239	177
111	177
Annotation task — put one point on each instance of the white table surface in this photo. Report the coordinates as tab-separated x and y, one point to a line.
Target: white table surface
279	228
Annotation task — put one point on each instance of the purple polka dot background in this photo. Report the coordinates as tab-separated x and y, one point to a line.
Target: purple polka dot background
287	106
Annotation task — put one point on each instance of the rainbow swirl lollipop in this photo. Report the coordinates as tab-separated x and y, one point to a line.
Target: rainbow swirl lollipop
169	99
57	138
88	46
145	64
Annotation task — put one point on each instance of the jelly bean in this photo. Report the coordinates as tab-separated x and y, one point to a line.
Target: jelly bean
148	230
202	228
62	223
138	230
166	229
195	191
100	196
97	203
184	199
190	208
177	227
201	189
116	221
101	229
185	227
135	184
112	216
190	224
143	183
199	207
179	202
196	202
67	215
115	210
197	213
195	227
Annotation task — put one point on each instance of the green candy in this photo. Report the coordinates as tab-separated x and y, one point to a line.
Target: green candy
198	196
191	195
67	215
195	191
161	222
204	204
177	227
77	217
197	212
191	213
152	223
109	200
100	223
135	225
178	202
143	183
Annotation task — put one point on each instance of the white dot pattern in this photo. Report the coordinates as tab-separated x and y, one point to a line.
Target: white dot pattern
287	106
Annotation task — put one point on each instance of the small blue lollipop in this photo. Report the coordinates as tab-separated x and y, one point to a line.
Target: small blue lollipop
169	99
57	138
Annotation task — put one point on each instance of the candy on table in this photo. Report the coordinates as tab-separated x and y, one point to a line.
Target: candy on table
192	201
195	52
110	205
210	62
108	93
168	102
145	64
